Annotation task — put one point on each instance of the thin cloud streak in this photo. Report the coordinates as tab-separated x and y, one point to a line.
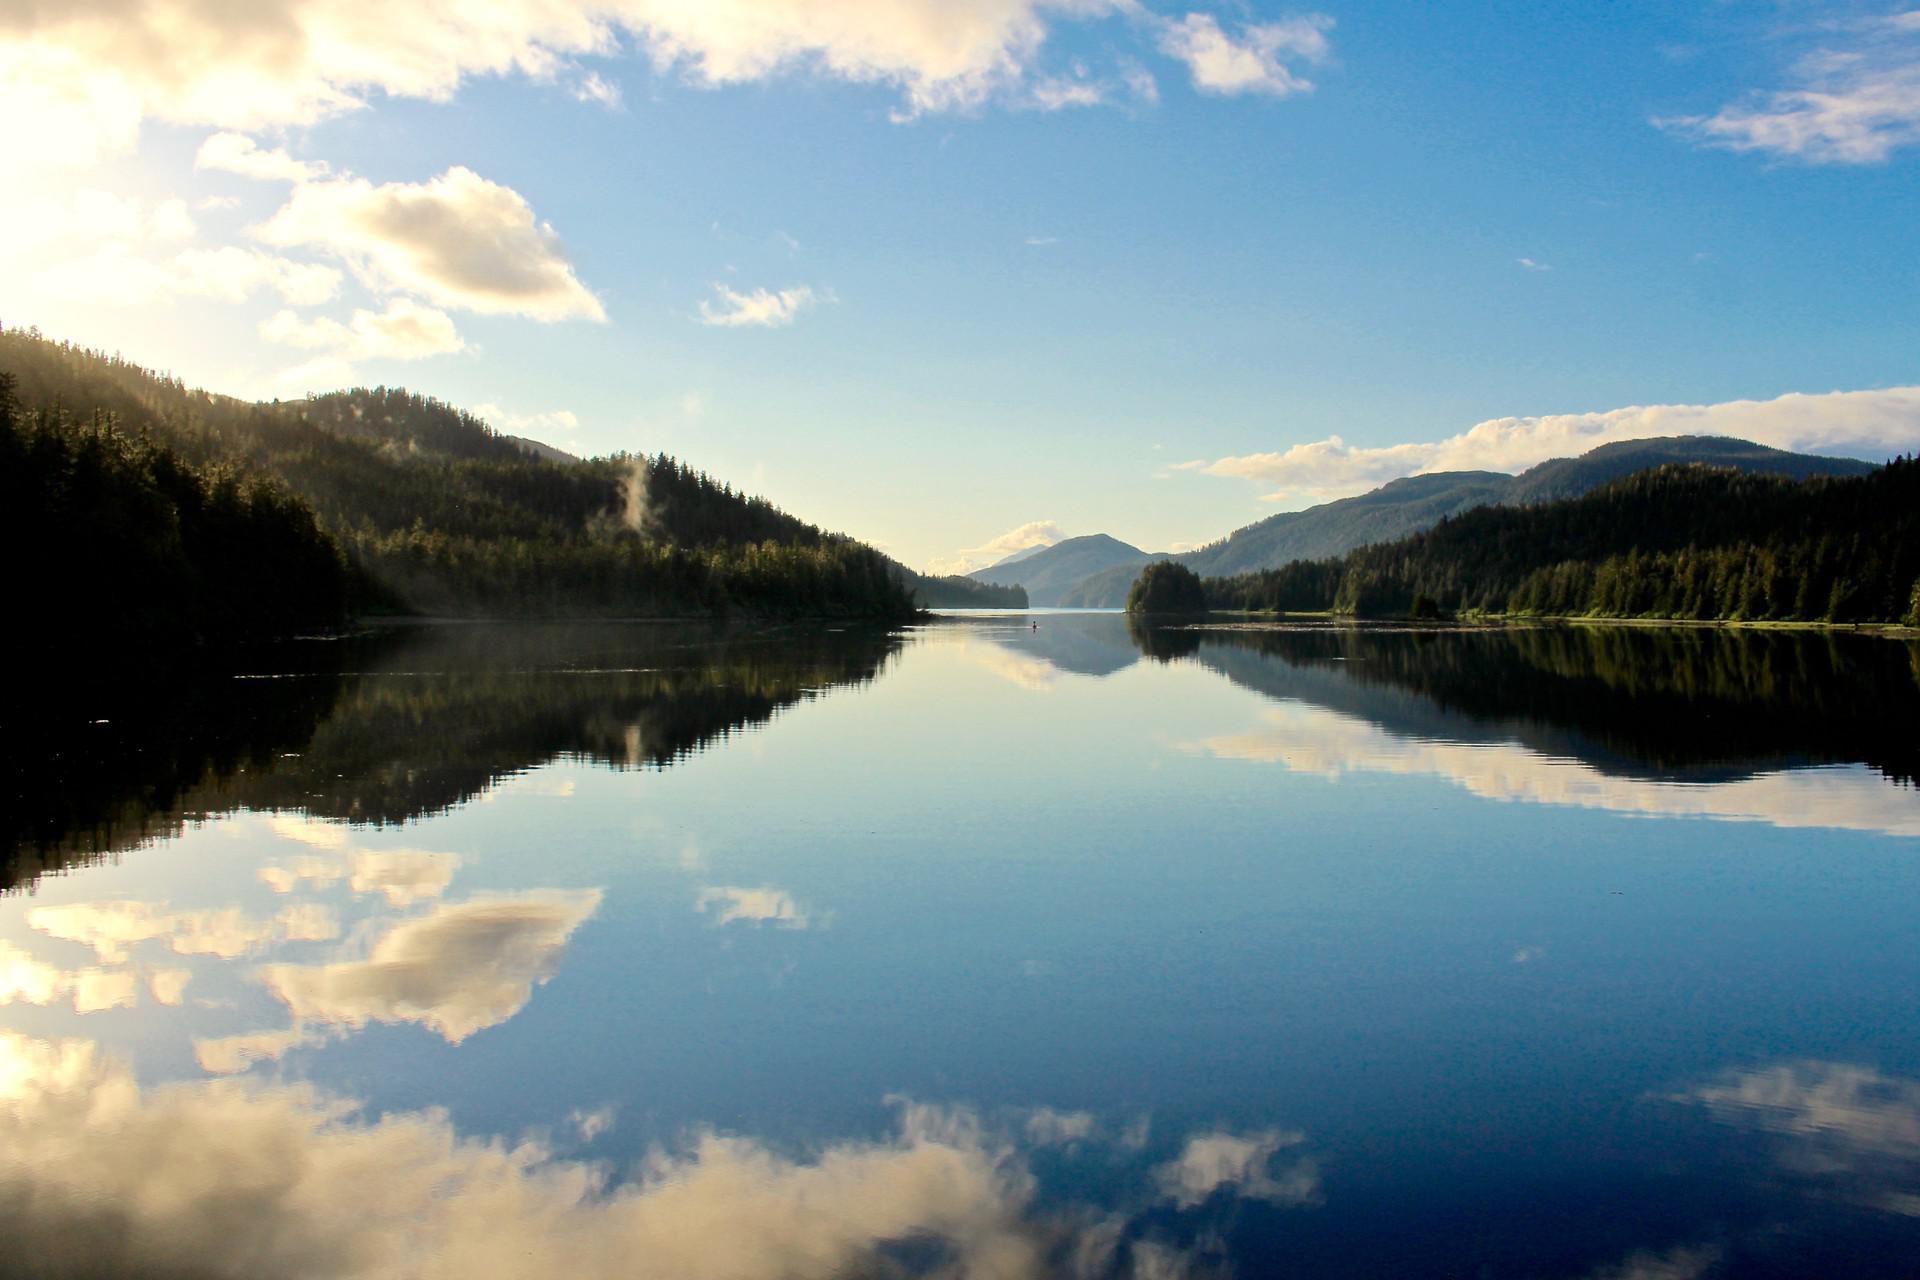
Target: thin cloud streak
1876	424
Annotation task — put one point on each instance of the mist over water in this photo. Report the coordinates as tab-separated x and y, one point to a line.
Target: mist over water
974	949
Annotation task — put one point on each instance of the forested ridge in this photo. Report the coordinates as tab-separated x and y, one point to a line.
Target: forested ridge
434	512
1688	542
126	550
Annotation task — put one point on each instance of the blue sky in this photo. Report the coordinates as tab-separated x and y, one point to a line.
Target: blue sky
937	271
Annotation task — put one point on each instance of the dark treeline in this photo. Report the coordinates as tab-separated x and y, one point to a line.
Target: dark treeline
124	549
1674	542
1699	704
437	513
399	722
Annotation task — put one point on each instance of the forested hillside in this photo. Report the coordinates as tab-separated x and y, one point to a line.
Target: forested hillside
437	513
1401	508
1675	542
126	550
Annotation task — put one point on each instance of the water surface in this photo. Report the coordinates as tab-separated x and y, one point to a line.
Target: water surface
974	949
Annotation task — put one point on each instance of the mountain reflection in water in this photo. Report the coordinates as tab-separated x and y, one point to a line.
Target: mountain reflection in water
401	723
486	951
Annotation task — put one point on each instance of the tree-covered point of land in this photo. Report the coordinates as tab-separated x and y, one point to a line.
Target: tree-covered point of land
1167	586
126	551
437	513
1675	542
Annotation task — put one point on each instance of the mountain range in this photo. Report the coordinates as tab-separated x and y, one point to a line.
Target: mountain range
1095	571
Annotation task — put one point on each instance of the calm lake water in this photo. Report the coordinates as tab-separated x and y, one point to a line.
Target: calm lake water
975	950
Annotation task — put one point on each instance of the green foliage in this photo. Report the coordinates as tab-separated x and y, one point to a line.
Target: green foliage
129	550
957	591
1674	542
439	514
1167	586
1913	606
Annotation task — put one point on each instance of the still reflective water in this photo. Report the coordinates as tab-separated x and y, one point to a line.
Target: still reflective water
974	950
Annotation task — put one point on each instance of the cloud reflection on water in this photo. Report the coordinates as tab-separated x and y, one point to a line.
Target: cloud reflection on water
457	970
101	1177
1845	1128
1311	740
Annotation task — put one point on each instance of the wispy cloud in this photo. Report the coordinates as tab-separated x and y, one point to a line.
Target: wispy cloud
1873	423
734	904
761	308
1240	1163
1256	60
1034	533
1854	100
1533	265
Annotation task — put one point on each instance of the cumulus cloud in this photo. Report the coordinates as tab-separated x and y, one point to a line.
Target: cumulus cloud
1855	100
1242	1164
90	72
1876	424
1034	533
458	239
1255	61
237	153
458	970
732	904
730	309
404	330
100	1176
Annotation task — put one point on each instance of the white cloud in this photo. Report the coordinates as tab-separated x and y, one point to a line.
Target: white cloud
404	330
171	221
214	1178
404	876
96	246
237	153
285	878
1876	424
230	1055
113	929
1046	1127
308	831
169	986
1057	93
458	240
760	308
1034	533
1242	1164
1849	1131
458	970
1856	101
89	72
732	904
30	981
560	425
1532	265
1254	62
593	87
